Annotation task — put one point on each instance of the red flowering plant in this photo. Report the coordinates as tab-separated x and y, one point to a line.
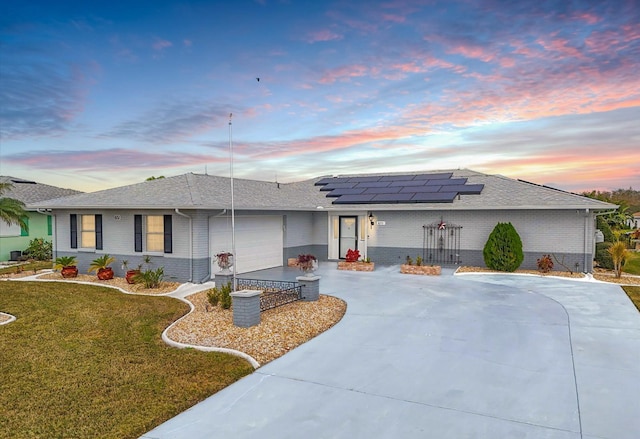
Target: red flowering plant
352	255
545	264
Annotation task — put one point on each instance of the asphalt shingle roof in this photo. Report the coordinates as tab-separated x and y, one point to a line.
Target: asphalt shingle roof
197	191
29	191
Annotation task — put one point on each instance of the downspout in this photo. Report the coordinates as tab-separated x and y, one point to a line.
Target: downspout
54	232
190	242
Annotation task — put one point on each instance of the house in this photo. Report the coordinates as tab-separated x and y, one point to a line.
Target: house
445	217
14	238
634	222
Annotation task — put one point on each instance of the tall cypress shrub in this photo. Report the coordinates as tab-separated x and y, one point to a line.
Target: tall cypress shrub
503	250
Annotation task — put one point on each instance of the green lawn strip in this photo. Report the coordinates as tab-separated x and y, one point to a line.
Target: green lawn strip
632	264
87	361
634	294
27	267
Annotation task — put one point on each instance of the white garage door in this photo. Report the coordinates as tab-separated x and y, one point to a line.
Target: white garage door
258	241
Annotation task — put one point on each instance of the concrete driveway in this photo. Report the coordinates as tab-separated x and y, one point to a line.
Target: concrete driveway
472	356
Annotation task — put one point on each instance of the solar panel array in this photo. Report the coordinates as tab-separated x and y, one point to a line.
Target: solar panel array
389	189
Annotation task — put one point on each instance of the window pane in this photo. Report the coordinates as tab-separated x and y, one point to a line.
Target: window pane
155	224
88	239
88	223
155	233
88	231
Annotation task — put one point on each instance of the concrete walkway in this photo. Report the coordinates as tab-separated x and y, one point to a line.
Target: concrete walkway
473	356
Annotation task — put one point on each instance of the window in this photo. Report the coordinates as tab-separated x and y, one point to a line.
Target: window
155	236
87	231
155	233
90	230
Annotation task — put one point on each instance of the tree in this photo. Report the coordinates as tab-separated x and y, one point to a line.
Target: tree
12	210
503	250
154	178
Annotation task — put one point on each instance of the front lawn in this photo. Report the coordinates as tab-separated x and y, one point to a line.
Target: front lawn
87	361
634	294
632	264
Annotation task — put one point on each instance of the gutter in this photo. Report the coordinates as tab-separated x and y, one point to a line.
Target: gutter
190	242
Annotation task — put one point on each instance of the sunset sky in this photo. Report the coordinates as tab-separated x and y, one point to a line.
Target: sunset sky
99	94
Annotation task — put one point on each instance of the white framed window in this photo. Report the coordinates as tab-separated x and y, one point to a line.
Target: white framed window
88	231
154	232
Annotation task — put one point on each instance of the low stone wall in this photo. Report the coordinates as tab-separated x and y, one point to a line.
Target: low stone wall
427	270
356	266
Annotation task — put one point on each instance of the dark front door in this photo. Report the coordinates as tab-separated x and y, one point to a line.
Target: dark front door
348	234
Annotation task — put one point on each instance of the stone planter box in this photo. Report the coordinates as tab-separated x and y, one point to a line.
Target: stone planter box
292	262
426	270
356	266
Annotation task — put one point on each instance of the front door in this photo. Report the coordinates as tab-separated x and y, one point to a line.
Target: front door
348	234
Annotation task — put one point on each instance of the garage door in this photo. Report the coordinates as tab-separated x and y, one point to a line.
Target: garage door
258	241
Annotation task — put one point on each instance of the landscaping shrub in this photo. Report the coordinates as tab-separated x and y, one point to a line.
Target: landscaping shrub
603	257
419	261
619	254
220	295
409	261
545	264
604	227
150	278
503	250
39	249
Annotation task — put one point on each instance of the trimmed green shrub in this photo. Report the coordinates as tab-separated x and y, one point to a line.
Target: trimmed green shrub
220	295
603	257
503	250
604	227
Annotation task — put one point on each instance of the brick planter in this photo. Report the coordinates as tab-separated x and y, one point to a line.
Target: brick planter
292	262
426	270
356	266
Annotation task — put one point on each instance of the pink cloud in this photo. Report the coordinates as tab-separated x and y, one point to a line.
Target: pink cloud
187	43
344	73
323	35
160	44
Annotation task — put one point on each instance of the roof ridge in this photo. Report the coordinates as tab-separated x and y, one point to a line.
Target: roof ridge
194	192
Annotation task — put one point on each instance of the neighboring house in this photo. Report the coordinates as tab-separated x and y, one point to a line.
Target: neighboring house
13	237
445	217
634	223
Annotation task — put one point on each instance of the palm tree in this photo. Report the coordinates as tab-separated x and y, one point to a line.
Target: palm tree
12	210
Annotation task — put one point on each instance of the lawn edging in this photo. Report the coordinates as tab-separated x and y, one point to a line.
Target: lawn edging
179	345
165	337
11	318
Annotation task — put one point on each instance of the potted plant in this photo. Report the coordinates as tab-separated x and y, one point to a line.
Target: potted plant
307	263
67	266
130	274
101	265
224	260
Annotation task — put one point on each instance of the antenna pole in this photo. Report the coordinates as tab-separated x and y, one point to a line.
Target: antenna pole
233	215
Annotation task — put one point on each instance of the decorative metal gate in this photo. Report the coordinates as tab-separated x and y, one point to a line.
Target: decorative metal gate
441	243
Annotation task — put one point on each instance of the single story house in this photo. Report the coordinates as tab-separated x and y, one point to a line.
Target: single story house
445	217
13	238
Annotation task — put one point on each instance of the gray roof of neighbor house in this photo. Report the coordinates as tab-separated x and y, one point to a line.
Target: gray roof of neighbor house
29	191
197	191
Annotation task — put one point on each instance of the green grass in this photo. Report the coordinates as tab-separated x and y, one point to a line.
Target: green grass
87	361
27	266
632	265
634	294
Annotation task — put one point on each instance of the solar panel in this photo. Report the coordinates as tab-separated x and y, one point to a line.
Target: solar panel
354	199
387	189
346	191
434	197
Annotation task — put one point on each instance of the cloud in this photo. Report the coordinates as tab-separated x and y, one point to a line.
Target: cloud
170	122
117	160
40	98
161	44
322	36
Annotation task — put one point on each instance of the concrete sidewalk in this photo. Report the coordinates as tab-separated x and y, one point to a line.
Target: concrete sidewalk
474	356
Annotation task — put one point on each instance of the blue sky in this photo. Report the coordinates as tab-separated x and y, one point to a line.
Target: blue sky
102	94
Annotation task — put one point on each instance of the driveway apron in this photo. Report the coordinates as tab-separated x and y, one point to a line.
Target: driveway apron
471	356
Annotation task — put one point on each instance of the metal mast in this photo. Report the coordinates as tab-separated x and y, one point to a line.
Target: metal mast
233	214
